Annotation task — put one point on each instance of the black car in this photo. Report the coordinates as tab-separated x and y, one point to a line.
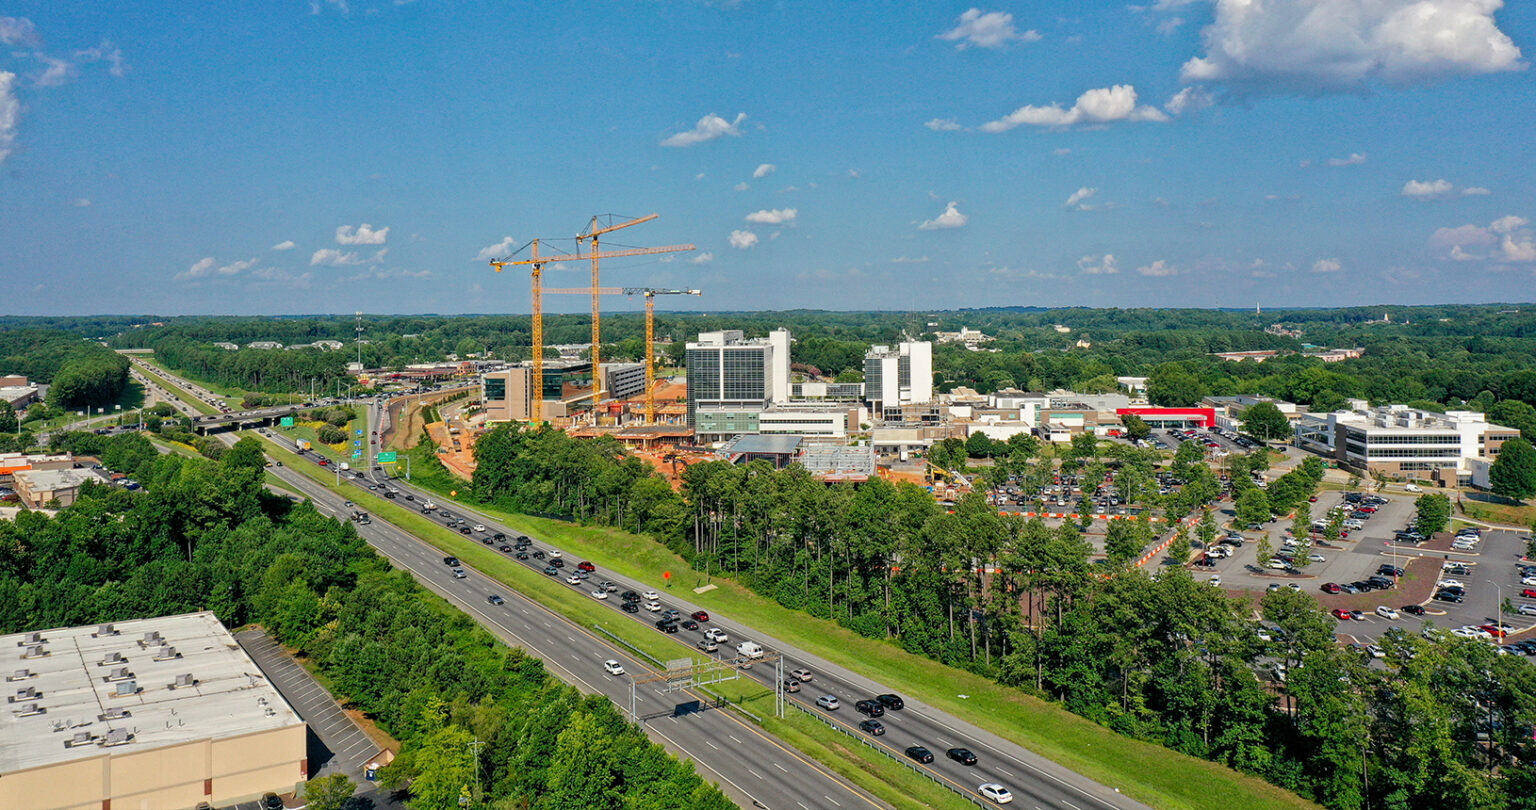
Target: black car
504	548
961	755
920	754
1363	586
666	626
450	561
521	555
1413	610
870	708
551	570
538	555
1380	583
872	727
1388	570
690	624
483	540
630	607
1449	596
557	562
893	702
495	600
463	530
498	537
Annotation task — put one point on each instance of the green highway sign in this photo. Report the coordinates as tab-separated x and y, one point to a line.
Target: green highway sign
286	421
387	458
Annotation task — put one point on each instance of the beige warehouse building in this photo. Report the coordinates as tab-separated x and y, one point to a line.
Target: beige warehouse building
151	714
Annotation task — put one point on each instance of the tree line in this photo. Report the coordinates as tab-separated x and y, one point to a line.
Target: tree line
204	535
79	373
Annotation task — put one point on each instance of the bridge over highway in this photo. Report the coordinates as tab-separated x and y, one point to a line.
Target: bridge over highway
264	416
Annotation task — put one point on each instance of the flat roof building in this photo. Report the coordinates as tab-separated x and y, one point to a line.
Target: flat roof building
36	487
726	370
898	376
1399	440
150	713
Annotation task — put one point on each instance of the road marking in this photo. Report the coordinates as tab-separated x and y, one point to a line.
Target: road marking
781	767
733	738
754	773
832	800
710	744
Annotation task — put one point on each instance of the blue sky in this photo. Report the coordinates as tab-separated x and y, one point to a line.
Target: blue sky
292	157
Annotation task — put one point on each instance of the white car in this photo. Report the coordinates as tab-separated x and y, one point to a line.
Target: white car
650	595
554	554
653	606
1375	651
1317	558
996	793
1451	583
613	667
716	635
1215	580
479	527
1386	613
573	580
1528	581
1526	609
599	594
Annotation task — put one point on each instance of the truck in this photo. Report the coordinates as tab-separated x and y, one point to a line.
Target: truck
345	467
749	649
301	444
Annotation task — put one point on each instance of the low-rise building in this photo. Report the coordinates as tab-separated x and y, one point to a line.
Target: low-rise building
1229	410
1398	440
165	712
37	488
264	344
226	346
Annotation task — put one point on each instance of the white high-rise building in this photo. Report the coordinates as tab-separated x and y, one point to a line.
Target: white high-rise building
899	376
725	370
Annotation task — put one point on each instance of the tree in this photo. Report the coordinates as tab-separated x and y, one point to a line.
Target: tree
8	420
978	445
585	770
1252	507
1265	551
1085	445
1263	420
1301	524
1122	543
1303	548
246	453
1171	386
328	792
1513	473
1433	513
1178	550
1135	426
1206	529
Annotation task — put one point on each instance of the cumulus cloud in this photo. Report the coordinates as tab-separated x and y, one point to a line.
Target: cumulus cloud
19	31
942	124
208	266
1327	266
742	186
83	202
1158	269
1098	266
741	240
763	170
1321	46
702	258
286	244
57	71
331	257
1189	100
1354	159
1427	189
497	250
1076	198
951	218
105	52
364	234
709	128
986	29
1475	191
776	216
1099	106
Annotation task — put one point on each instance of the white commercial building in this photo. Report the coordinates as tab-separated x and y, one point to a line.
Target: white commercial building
1398	440
899	376
726	370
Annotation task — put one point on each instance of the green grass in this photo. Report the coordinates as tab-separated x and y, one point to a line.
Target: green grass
302	431
195	403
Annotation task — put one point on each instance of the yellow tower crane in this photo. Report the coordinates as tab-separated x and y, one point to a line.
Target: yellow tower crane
593	232
536	263
650	332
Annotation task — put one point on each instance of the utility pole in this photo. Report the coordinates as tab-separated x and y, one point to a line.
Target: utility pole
359	340
474	752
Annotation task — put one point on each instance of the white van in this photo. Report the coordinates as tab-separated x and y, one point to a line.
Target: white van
749	649
345	466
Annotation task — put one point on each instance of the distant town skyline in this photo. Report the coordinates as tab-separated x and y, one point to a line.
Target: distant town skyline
335	155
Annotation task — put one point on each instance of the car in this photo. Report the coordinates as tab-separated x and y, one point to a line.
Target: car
1528	581
1380	583
700	616
599	594
1449	596
630	596
271	801
716	634
1413	610
1386	613
828	702
1357	615
1312	499
790	684
651	595
557	562
705	644
688	624
871	708
1363	586
479	527
458	573
961	755
653	606
872	728
996	793
1526	609
1452	583
538	555
892	702
630	607
1341	614
917	753
348	504
585	566
463	530
671	614
450	561
498	537
666	626
551	570
573	580
1528	593
1387	570
608	586
1214	581
554	554
495	599
1331	587
1494	630
613	667
504	548
802	674
1348	588
521	555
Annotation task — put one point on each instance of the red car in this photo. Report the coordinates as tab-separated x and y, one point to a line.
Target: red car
1313	499
1529	593
1341	614
700	616
1369	510
1331	587
325	462
1494	630
585	566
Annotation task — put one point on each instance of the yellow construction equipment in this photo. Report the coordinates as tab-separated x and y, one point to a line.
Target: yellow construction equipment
650	331
592	233
536	264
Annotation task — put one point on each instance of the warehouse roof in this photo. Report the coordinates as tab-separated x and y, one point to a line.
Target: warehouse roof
79	692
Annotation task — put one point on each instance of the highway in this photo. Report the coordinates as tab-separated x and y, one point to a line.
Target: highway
754	769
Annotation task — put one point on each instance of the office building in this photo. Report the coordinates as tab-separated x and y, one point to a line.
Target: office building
1402	441
728	371
825	422
151	713
38	487
899	376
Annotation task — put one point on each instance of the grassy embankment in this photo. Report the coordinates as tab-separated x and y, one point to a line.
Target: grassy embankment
193	402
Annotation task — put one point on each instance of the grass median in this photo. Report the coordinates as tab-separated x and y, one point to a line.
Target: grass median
1147	772
176	391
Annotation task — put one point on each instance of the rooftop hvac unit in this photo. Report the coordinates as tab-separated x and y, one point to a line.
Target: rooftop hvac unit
125	688
19	675
166	654
119	674
29	710
80	738
152	637
36	651
184	681
105	630
115	713
116	736
24	693
29	639
112	658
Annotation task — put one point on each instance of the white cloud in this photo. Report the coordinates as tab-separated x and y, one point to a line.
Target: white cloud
1427	189
1475	191
702	258
909	260
236	267
699	176
1061	152
742	186
1099	106
1078	196
1461	237
105	52
951	218
57	73
776	216
495	251
363	235
1354	159
19	31
202	267
1327	266
1319	46
709	128
1507	224
336	258
942	124
763	170
1189	100
285	245
1158	269
741	240
986	29
1096	266
1168	26
83	202
1520	248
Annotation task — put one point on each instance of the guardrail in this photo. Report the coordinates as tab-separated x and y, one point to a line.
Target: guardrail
889	754
632	648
